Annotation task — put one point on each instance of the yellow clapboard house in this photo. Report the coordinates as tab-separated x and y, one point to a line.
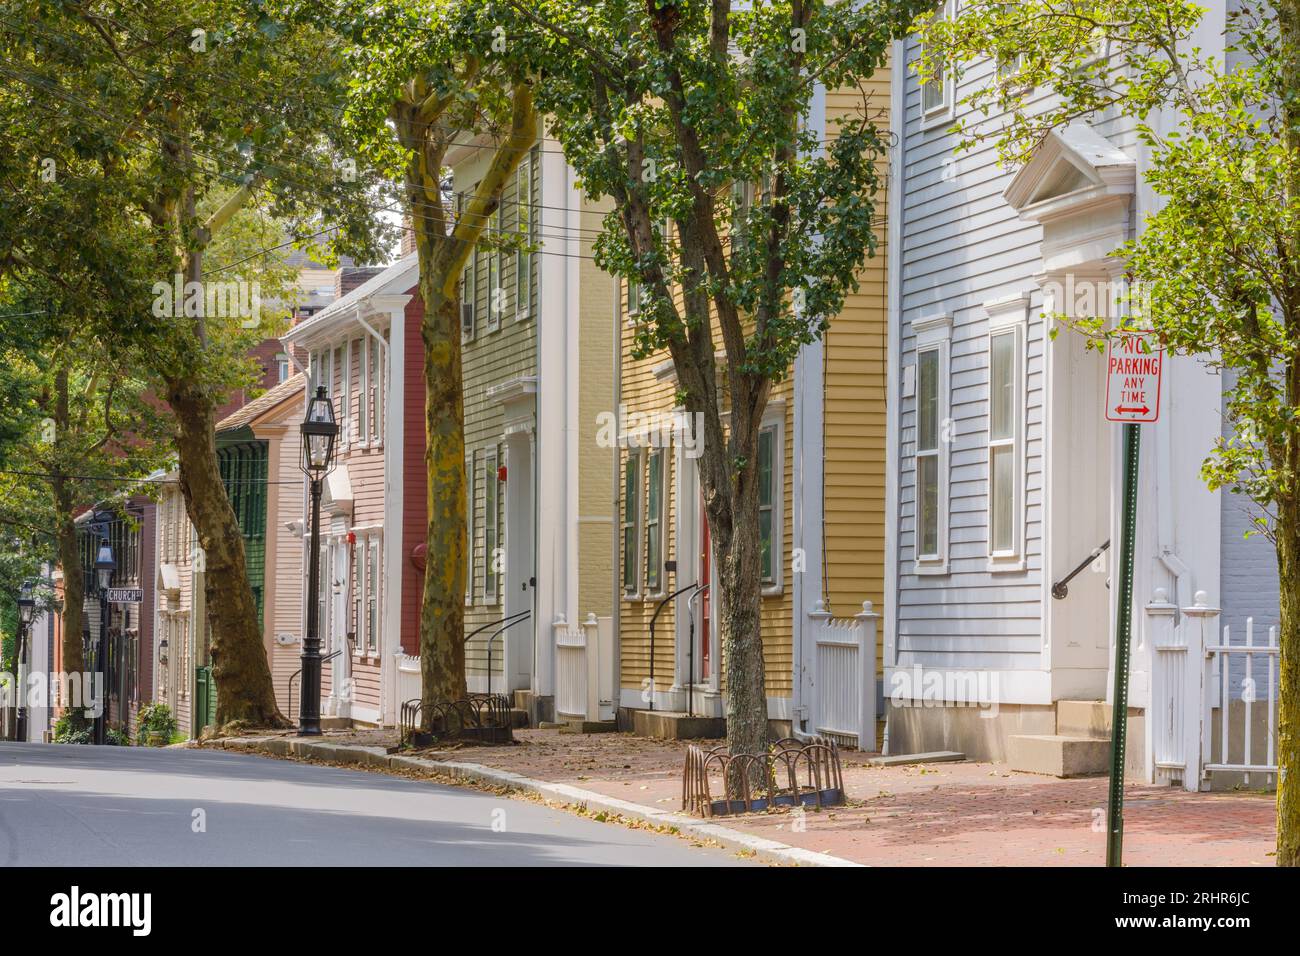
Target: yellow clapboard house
822	468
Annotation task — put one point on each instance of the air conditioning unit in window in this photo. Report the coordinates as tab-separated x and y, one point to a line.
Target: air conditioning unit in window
467	319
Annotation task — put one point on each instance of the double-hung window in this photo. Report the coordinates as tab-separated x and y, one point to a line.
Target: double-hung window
526	220
467	291
767	499
375	388
632	524
1007	320
491	546
654	523
469	528
933	434
937	90
373	595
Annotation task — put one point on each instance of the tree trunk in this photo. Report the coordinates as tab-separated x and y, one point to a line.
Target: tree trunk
442	613
1288	732
733	526
239	664
74	596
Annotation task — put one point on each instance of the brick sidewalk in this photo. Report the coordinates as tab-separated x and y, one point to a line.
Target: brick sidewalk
965	814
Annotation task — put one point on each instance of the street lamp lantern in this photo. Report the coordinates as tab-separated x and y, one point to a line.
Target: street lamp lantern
319	431
26	603
26	611
105	565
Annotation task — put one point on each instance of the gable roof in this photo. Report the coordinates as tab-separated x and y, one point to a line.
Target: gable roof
397	279
1075	167
244	417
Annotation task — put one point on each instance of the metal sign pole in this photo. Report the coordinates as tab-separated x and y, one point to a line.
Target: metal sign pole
1123	633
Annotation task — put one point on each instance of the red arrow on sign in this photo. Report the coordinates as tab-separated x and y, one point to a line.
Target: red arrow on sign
1125	410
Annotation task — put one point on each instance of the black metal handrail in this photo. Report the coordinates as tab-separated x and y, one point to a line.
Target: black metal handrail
505	620
654	617
1062	587
327	657
690	652
508	623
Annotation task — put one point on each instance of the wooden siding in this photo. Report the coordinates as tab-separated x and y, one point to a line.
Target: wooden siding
964	246
414	478
491	356
855	406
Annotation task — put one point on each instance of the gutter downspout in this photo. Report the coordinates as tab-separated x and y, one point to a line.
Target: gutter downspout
893	334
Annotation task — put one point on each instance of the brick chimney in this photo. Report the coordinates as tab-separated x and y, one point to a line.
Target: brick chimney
408	236
347	278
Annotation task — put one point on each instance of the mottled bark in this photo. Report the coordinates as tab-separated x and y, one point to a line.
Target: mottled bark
1288	734
442	613
740	627
443	246
74	583
239	664
1288	511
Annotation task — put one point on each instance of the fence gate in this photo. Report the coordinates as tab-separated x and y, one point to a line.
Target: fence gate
1213	703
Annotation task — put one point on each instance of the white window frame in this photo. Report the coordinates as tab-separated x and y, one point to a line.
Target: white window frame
658	589
492	523
524	263
468	291
372	599
1009	316
774	422
363	395
495	259
470	475
632	301
635	461
940	114
375	384
932	334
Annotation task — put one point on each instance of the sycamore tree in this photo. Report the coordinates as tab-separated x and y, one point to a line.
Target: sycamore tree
427	75
696	113
1216	269
193	113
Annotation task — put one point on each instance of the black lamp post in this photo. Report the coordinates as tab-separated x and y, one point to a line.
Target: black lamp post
105	565
319	431
26	610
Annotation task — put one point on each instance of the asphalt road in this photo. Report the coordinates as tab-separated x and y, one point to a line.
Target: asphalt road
127	806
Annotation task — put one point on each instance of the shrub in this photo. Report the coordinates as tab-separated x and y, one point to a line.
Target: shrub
156	719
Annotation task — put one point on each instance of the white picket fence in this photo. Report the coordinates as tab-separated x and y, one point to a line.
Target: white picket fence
1192	679
408	678
584	675
844	676
1253	657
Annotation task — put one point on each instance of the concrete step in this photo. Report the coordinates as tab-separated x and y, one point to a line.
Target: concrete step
518	717
669	725
589	727
336	723
538	709
1083	718
1058	755
902	760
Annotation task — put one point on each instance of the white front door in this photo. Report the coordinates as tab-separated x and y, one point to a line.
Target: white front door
517	641
1078	520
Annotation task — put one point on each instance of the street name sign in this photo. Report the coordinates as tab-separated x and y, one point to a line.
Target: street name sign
1134	364
125	595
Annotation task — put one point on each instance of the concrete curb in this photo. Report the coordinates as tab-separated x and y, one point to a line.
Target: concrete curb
350	754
